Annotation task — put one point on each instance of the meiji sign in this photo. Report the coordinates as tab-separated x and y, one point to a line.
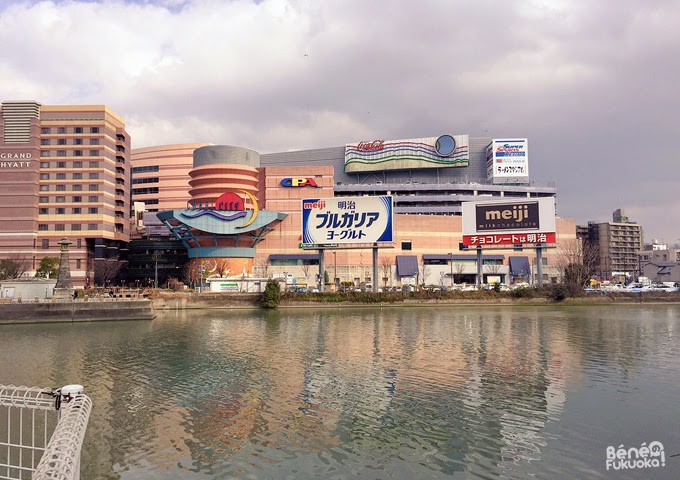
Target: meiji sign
523	216
509	222
299	182
347	220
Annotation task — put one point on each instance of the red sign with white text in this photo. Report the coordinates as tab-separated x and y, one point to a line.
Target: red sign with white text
509	239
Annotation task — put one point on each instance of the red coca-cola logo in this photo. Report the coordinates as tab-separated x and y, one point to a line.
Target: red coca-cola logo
373	146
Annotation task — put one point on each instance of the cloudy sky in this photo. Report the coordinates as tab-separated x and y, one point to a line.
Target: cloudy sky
594	85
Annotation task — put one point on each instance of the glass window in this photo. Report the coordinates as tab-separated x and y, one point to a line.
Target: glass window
77	199
61	188
77	188
61	129
78	130
45	130
94	141
61	164
94	164
77	153
94	129
44	199
45	243
92	226
77	176
44	153
76	211
93	176
77	164
44	141
59	227
61	153
44	188
79	243
93	188
92	198
60	211
61	141
76	226
43	211
94	153
44	176
406	245
77	260
61	176
61	199
42	227
93	210
44	164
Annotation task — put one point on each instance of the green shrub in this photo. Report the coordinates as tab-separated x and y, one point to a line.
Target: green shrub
558	292
272	295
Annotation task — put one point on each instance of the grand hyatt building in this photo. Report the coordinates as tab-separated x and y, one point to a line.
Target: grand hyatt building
428	178
64	172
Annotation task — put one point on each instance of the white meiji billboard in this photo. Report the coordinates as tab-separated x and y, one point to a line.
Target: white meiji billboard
343	220
512	221
507	161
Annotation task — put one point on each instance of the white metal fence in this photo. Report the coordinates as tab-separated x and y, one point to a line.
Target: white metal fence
42	432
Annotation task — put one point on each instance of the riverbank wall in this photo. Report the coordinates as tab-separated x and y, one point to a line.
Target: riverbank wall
91	311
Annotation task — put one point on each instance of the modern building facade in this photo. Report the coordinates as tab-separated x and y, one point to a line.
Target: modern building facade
427	197
618	243
64	172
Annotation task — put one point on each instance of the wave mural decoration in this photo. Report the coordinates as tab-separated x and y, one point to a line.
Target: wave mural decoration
216	214
416	153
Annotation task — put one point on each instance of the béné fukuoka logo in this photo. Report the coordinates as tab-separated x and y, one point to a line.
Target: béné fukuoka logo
644	457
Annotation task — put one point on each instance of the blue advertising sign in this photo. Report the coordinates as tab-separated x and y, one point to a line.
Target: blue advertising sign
344	220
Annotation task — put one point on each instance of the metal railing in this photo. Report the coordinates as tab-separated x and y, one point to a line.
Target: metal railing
42	432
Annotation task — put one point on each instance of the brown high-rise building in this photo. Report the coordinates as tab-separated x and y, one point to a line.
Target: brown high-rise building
64	172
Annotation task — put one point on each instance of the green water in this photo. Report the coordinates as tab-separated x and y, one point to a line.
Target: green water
381	393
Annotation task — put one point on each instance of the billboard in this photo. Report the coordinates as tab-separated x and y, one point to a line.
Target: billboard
509	222
431	152
507	161
343	220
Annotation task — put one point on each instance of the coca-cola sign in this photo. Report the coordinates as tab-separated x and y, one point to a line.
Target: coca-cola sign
374	146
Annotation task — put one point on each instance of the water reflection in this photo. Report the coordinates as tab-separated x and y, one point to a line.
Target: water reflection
375	393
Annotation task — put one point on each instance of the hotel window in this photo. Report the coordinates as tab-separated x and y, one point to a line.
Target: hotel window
77	188
77	199
61	164
42	227
77	153
61	141
44	164
77	260
92	226
61	188
77	141
44	176
94	141
79	243
44	211
94	164
76	211
44	199
92	198
44	188
77	164
77	176
61	129
94	153
76	226
60	211
93	210
94	129
45	243
44	153
59	227
406	245
61	176
61	153
78	130
45	130
44	141
93	188
61	199
93	176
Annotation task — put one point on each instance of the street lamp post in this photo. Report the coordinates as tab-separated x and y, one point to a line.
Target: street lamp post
335	271
451	254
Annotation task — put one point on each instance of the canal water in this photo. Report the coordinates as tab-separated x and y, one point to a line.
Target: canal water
380	393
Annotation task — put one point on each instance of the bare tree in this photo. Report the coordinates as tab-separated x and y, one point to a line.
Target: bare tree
305	269
191	273
14	266
385	265
422	274
577	261
262	266
107	269
458	270
493	268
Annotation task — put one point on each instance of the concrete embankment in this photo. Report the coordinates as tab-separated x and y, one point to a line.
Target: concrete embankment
91	311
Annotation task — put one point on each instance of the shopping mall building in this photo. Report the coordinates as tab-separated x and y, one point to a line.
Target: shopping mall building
428	179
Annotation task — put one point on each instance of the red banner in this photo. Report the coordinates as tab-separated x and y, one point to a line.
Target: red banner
510	239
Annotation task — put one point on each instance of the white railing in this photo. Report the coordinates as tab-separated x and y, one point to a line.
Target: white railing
42	432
